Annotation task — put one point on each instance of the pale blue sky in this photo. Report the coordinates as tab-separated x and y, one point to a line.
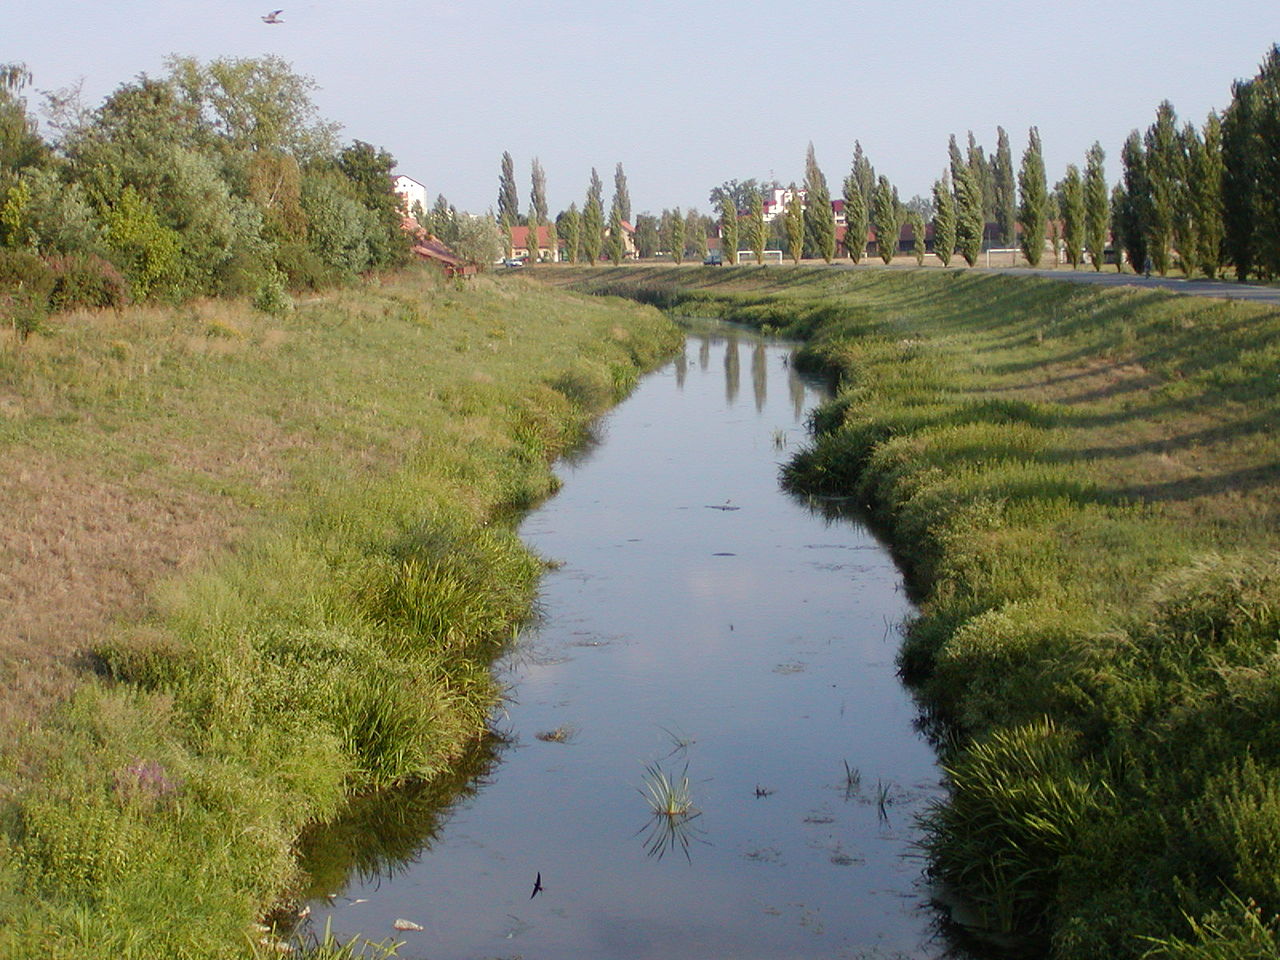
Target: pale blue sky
666	86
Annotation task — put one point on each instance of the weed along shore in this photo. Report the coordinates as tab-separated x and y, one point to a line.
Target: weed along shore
1081	485
257	566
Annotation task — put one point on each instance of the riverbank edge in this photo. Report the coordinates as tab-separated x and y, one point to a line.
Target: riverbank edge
1109	793
343	644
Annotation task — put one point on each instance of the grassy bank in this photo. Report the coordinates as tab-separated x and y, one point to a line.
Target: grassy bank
256	565
1084	487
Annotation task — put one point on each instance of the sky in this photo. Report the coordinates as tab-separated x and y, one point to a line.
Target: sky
685	94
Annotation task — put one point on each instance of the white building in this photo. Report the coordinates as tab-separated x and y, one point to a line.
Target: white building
411	192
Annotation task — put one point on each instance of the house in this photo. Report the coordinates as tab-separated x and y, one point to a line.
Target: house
429	248
410	192
520	249
629	251
776	201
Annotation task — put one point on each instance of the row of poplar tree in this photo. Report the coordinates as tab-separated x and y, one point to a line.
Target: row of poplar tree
216	178
1196	198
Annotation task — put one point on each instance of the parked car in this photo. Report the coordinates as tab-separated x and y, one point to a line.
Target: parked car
513	262
712	260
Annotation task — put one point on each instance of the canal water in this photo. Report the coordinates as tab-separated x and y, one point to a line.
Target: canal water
699	626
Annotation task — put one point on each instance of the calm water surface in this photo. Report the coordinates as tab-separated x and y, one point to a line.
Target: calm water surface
704	621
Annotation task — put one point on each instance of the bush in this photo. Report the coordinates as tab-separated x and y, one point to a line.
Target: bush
82	280
26	283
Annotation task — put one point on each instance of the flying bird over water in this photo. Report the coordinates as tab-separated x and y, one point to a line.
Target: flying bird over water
537	886
273	17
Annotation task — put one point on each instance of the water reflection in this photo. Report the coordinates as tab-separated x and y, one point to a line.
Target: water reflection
760	375
664	833
732	369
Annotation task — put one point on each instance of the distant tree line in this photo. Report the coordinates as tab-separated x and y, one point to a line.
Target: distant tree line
217	178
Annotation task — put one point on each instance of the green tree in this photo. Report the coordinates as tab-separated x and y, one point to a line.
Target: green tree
1186	222
856	216
1004	189
1136	212
819	223
592	227
1164	175
728	230
621	195
887	219
646	235
918	239
20	146
150	252
1033	191
795	225
864	174
970	222
944	219
1119	210
508	200
982	175
571	229
617	246
696	230
531	236
1073	215
1206	176
677	235
538	190
477	239
754	232
1097	205
369	171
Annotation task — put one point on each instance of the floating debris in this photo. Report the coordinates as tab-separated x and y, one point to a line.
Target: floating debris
403	924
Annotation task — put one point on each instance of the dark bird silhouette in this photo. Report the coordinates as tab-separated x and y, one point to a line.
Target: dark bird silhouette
537	886
273	17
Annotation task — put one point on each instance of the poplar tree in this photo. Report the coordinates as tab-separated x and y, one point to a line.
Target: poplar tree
1005	190
1136	214
819	225
592	220
1119	204
571	227
795	226
531	229
1186	222
1206	178
1097	206
887	220
677	236
696	232
755	227
1073	215
918	239
553	241
1164	169
728	229
944	219
1241	167
864	173
508	202
617	246
621	196
977	159
856	217
969	219
538	190
1034	193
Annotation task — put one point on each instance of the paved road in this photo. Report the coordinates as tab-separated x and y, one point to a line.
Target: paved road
1222	289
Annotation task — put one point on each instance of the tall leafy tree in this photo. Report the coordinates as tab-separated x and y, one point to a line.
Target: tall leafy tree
754	226
20	146
1073	215
819	224
978	163
887	219
918	239
1186	222
508	200
617	245
970	222
696	228
646	234
1033	190
728	230
1164	175
795	226
1135	215
571	229
1005	190
864	174
621	195
1206	178
538	190
1119	208
944	219
1240	177
856	216
592	235
1097	204
677	235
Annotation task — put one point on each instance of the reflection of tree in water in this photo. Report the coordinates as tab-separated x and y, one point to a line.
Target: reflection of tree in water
760	374
682	368
796	385
379	835
704	352
732	369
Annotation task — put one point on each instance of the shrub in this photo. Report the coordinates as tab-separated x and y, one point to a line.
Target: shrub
82	280
26	283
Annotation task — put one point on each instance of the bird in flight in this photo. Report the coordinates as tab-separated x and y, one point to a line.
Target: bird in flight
537	886
273	17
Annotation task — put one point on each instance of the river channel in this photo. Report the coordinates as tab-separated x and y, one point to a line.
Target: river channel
698	622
